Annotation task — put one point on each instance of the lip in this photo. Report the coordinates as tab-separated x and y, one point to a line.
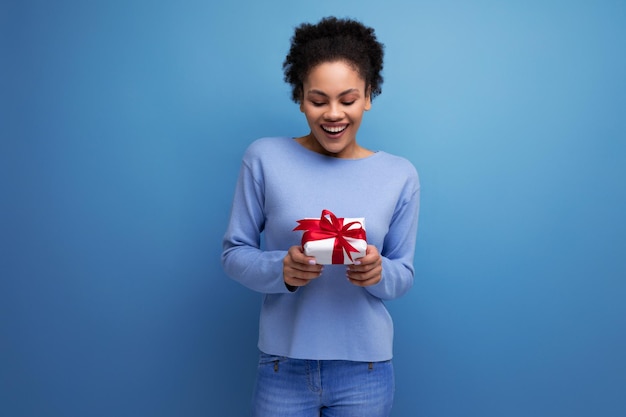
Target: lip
334	135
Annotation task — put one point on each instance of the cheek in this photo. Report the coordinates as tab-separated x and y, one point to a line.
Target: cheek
311	120
311	115
357	116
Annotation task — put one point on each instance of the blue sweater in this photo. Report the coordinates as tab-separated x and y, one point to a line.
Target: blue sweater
281	182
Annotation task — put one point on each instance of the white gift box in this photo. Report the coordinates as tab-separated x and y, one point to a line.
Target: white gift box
323	249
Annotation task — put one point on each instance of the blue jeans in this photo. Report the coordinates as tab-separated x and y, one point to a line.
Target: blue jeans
288	387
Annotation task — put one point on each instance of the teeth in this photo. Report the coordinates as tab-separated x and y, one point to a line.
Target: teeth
334	129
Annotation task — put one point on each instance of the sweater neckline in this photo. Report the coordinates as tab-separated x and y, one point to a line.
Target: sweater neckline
327	157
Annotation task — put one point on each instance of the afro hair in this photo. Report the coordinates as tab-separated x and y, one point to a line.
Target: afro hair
330	40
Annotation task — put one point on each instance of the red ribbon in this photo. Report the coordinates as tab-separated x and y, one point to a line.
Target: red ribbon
329	226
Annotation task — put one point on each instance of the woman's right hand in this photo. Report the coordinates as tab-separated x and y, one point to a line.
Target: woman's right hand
299	269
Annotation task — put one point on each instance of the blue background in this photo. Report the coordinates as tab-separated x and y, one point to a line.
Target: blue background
122	128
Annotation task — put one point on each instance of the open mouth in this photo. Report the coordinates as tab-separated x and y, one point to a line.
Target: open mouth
334	130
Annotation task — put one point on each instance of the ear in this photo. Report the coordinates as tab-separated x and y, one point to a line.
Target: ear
368	98
301	99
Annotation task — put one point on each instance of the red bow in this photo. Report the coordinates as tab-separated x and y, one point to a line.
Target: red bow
329	226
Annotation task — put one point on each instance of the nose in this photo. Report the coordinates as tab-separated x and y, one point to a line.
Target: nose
334	112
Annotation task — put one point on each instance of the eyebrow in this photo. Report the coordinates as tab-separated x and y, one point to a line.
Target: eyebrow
321	93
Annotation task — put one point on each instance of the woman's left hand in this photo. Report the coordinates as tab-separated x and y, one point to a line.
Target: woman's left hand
367	270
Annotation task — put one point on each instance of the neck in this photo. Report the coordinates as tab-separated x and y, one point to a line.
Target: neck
355	151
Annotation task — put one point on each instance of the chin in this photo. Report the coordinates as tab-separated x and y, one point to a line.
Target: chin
334	148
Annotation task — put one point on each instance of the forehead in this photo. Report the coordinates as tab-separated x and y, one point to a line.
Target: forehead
336	74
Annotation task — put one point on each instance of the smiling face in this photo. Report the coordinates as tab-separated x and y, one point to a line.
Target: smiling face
334	98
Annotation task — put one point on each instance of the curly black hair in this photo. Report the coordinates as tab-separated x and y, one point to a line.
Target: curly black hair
331	40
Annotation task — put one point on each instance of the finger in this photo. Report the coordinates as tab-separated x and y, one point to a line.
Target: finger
365	274
362	276
295	282
305	274
299	282
297	276
298	269
365	282
371	256
363	265
298	256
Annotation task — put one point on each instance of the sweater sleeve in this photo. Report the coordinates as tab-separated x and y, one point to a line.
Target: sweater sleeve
399	247
242	257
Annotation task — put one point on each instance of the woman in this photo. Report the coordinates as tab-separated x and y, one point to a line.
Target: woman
325	335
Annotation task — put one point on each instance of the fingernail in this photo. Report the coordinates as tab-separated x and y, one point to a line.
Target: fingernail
312	262
357	262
